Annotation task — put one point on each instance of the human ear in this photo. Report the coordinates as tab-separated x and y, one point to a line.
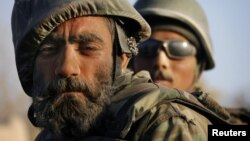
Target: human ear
125	61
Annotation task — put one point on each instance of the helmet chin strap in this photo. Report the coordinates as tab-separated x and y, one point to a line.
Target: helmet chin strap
121	44
117	60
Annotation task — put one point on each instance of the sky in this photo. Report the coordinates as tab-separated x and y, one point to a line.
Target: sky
229	27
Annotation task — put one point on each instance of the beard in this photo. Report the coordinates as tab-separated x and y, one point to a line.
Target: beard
70	107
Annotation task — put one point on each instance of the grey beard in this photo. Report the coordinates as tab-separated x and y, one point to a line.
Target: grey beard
72	116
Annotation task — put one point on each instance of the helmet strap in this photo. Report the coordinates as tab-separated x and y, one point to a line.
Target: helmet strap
117	60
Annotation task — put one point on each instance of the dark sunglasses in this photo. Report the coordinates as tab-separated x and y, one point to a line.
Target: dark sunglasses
174	49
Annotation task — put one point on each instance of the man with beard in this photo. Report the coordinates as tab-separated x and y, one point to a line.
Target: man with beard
71	57
179	49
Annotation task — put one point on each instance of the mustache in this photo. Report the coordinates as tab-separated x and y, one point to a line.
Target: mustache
67	85
162	75
62	85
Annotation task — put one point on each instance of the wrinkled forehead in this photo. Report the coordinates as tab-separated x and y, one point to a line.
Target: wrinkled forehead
85	24
86	28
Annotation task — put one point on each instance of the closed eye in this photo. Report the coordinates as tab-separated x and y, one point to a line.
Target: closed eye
89	48
47	49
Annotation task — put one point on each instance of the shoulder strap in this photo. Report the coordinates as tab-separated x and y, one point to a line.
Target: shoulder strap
201	103
140	98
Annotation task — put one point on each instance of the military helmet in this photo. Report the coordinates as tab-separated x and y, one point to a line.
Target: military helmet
34	20
189	13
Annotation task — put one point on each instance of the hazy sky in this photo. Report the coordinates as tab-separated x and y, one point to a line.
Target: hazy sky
229	25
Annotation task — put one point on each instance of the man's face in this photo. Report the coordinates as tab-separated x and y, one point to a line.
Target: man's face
73	76
176	73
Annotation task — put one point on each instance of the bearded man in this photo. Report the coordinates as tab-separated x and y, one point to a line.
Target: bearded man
71	58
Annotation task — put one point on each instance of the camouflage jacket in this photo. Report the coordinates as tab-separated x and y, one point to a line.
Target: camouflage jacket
238	116
144	111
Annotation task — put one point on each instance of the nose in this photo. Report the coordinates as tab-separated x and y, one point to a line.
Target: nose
161	61
67	63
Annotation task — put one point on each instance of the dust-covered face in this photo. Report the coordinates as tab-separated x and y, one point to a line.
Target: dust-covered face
73	76
174	65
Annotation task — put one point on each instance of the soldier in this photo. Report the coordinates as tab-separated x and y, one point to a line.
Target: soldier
179	49
71	58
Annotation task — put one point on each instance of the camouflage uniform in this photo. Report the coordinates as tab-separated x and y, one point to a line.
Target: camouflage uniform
140	109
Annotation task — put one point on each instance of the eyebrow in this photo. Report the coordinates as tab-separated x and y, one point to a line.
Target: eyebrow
81	38
85	38
53	37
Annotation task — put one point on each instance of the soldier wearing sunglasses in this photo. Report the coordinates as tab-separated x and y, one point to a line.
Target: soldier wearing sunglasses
179	49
